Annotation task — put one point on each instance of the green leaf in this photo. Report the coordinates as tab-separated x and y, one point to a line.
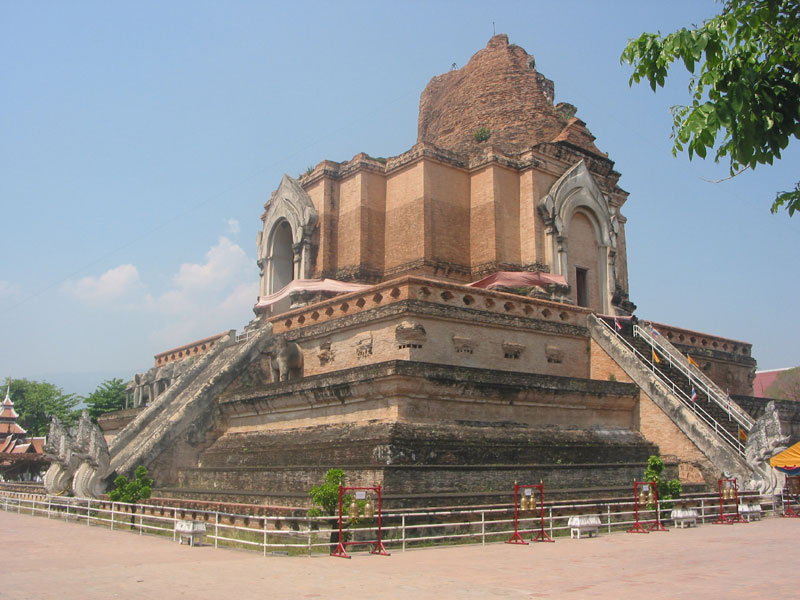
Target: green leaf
746	93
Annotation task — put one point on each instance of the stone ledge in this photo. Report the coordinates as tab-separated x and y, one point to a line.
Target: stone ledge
489	304
437	373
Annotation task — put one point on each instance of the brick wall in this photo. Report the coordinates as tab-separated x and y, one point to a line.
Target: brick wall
603	367
658	428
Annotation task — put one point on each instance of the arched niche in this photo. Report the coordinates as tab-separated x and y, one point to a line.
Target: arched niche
285	241
281	264
577	194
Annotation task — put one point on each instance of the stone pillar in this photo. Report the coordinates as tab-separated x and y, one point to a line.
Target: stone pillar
297	260
305	256
562	260
261	279
611	279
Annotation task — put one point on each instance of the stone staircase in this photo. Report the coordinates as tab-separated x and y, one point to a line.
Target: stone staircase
188	403
667	371
703	421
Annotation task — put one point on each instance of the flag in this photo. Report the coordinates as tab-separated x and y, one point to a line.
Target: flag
742	435
692	361
617	324
655	332
694	395
655	357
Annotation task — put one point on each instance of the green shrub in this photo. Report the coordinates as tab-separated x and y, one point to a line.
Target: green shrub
482	134
667	489
132	491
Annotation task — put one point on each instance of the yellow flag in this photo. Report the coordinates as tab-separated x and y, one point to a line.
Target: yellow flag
655	357
692	361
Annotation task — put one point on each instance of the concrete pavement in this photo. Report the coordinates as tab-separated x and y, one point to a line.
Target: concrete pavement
49	559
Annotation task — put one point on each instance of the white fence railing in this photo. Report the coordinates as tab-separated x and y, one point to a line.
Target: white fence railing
401	530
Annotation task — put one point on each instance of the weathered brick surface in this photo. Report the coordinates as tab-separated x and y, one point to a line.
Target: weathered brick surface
457	209
603	367
657	427
498	89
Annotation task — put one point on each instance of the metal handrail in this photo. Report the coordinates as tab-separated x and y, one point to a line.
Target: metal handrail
744	420
483	524
684	398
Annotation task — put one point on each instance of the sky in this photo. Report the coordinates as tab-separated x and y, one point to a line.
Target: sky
139	142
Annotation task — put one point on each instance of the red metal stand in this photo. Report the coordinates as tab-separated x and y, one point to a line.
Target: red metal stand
377	545
656	525
541	536
733	486
792	489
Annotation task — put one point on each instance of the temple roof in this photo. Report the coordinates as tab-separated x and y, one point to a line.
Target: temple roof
9	416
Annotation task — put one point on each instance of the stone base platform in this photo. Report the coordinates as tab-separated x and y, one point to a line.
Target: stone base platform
408	486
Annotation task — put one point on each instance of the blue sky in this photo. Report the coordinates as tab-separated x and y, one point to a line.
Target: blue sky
139	142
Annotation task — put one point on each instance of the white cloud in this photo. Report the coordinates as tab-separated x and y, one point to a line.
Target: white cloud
245	295
8	289
224	262
212	296
114	284
201	299
233	226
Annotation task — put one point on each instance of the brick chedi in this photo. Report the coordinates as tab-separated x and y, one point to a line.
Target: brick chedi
537	195
376	349
499	90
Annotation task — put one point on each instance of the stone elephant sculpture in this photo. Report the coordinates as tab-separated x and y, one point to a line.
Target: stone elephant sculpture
287	359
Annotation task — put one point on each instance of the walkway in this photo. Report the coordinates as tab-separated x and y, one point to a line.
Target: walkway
49	559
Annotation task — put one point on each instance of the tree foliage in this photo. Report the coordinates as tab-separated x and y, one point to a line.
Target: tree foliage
326	495
745	84
786	386
108	397
667	489
131	492
37	401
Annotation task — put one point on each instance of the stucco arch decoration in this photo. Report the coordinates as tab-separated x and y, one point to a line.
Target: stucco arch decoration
577	191
289	203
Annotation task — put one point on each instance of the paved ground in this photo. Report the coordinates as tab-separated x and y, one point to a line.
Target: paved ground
48	559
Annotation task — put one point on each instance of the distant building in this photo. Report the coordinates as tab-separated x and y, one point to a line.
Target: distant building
21	457
764	379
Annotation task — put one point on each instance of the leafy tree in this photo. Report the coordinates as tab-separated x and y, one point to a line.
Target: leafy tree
108	397
745	84
667	489
786	386
326	498
37	401
326	495
131	492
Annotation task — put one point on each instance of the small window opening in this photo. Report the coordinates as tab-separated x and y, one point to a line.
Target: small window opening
581	278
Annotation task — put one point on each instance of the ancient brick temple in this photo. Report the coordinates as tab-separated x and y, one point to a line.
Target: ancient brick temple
443	322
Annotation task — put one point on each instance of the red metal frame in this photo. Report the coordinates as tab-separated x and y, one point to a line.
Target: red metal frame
790	480
722	519
656	525
541	536
377	545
